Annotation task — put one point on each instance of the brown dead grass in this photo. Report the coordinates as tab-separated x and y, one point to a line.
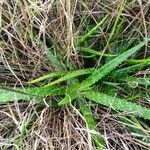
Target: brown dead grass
51	128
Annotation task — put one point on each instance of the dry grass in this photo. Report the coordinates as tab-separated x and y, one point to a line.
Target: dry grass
26	29
48	129
51	128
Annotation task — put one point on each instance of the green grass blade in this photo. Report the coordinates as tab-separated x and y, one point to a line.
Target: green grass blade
88	116
134	61
118	104
94	52
70	75
111	65
48	76
119	28
92	31
123	2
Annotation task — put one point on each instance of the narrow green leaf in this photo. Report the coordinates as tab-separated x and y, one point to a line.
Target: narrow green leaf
48	76
88	116
102	72
70	75
98	53
118	104
123	2
94	52
92	31
119	28
43	91
135	61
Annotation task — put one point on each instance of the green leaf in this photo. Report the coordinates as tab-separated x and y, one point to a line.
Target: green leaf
70	95
107	68
100	53
118	104
113	33
92	31
53	59
33	94
48	76
9	96
88	116
134	61
94	52
43	91
70	75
